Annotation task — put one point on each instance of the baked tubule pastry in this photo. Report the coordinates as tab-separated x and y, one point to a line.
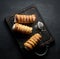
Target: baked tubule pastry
24	19
32	41
22	28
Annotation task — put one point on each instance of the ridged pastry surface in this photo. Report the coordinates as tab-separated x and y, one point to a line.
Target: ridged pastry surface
25	19
22	28
32	41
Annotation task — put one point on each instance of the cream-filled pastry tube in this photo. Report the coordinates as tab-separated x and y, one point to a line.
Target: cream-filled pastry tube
25	19
32	42
22	28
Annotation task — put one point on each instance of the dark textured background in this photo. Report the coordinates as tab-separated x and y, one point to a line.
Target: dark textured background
50	11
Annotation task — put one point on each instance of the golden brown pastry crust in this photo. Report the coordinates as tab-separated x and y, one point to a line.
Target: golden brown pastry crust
22	28
33	41
28	45
25	19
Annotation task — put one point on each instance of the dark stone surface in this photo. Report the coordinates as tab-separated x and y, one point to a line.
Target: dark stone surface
50	11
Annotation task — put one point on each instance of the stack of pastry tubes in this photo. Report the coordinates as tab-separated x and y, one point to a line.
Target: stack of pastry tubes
20	19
